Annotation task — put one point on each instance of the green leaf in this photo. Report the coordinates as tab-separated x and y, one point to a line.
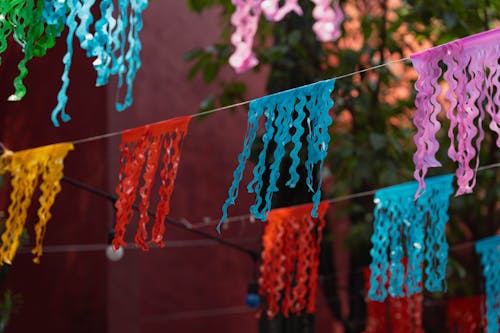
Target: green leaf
377	141
210	71
208	103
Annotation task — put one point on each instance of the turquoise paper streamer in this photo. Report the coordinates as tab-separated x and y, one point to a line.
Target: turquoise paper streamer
285	112
404	228
115	44
489	250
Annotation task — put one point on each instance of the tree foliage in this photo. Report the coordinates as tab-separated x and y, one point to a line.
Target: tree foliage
371	144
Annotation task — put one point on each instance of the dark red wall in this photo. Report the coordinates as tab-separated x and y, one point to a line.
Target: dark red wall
66	291
186	287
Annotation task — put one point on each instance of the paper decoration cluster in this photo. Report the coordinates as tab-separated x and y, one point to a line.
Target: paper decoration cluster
285	113
35	33
464	315
290	259
394	314
410	230
26	167
327	13
114	42
473	75
141	149
489	251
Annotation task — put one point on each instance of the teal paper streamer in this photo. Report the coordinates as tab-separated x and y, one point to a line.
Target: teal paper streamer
54	12
285	113
115	44
62	98
489	250
132	56
409	230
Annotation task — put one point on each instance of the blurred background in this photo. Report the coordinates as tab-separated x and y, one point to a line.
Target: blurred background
196	284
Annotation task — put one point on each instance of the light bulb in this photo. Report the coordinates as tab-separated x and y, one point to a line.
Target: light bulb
113	255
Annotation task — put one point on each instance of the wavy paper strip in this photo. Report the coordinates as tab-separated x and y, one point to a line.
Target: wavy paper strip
473	74
394	314
24	21
290	259
404	228
327	13
141	149
329	16
464	314
26	168
114	43
489	251
284	113
246	21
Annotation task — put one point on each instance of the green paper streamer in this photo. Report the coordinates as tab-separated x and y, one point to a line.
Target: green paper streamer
24	21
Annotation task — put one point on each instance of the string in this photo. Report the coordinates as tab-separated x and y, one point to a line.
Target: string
240	218
232	106
183	243
170	244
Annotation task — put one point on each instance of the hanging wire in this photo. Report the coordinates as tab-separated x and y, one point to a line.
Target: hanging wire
113	198
227	107
210	239
240	218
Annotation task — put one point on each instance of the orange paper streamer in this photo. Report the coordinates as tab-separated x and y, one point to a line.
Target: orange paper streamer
394	314
464	315
141	148
26	167
290	259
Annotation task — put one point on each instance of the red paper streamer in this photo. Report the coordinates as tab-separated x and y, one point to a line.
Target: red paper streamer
394	314
290	259
140	149
464	315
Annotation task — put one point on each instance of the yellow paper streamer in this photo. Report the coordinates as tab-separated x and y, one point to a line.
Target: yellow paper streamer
26	167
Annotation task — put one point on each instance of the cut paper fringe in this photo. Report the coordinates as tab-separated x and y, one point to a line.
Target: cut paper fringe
464	315
26	23
327	13
26	167
489	250
114	42
290	259
285	113
394	314
473	75
415	230
141	149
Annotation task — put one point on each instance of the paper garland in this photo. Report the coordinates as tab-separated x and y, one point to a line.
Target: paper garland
23	20
404	228
394	314
290	259
246	17
489	251
464	315
473	74
26	167
285	113
141	149
115	43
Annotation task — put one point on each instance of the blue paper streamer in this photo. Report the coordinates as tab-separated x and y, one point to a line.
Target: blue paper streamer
62	97
132	57
54	12
489	250
115	44
285	113
415	230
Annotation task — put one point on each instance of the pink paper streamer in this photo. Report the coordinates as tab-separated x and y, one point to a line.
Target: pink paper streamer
327	13
473	74
275	13
246	21
328	16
